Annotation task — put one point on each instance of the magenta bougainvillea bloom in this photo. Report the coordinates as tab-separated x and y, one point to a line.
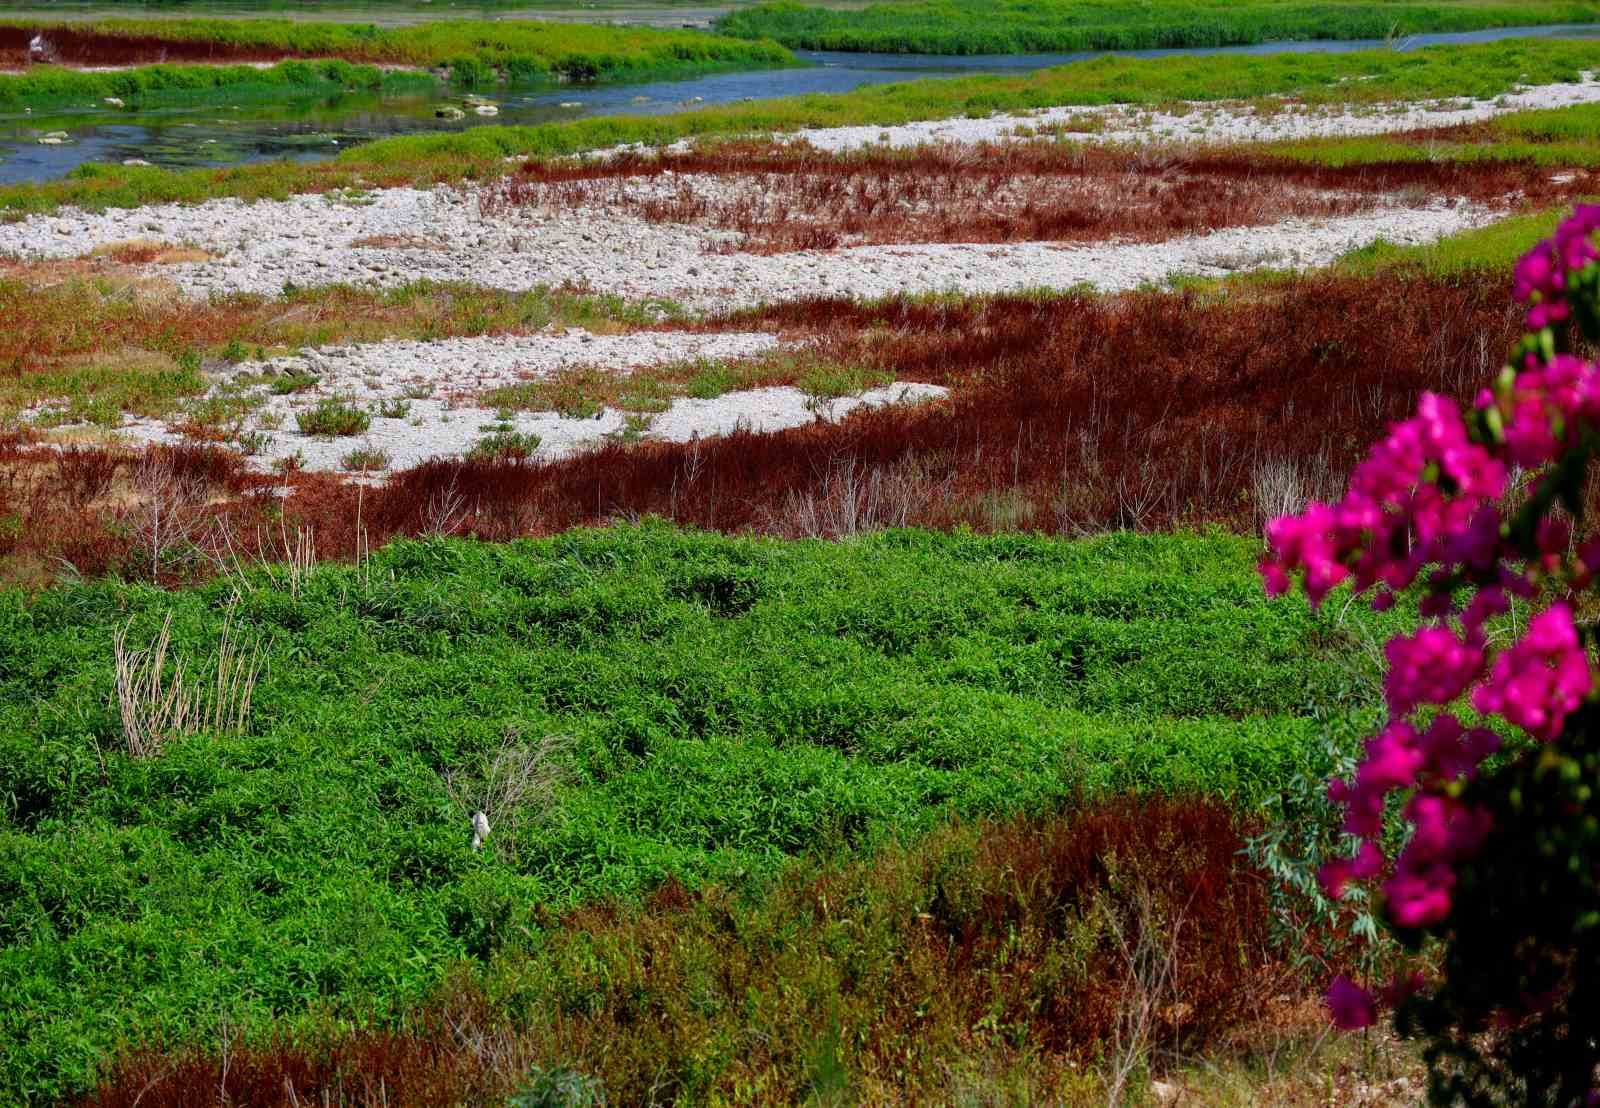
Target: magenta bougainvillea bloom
1542	679
1429	509
1434	666
1351	1006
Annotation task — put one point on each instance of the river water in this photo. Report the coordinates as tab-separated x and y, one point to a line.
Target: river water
219	134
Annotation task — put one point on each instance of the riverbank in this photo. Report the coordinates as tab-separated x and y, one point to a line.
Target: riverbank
461	50
1363	79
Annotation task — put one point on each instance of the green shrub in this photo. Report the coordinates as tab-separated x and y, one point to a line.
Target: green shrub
333	417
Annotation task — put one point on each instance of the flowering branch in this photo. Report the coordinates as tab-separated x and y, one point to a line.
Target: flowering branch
1430	505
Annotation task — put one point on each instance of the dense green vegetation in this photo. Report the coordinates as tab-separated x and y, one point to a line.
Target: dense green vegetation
1483	250
43	86
1566	137
1356	78
474	50
1037	26
729	705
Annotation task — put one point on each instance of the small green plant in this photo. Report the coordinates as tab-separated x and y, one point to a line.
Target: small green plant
364	460
417	392
634	427
293	382
225	408
394	408
332	418
502	441
252	443
644	392
234	351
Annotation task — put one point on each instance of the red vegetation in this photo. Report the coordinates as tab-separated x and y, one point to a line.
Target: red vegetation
78	46
792	196
1068	415
1055	931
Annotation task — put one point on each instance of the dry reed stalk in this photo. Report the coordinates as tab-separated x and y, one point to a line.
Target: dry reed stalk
156	706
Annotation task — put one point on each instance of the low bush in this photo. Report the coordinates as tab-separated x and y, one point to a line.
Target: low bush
333	417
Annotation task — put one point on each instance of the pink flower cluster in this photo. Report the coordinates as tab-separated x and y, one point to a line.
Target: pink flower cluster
1430	495
1542	408
1542	679
1408	505
1540	278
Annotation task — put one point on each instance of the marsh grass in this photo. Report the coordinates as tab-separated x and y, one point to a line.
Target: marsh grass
45	86
1020	27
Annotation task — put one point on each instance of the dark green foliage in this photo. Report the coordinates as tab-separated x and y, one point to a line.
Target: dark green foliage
1042	26
1523	956
731	704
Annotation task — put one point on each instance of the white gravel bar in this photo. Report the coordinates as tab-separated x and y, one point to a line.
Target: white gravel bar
438	384
309	241
434	429
1204	122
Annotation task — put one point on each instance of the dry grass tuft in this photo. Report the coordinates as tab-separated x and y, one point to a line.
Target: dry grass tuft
157	704
150	252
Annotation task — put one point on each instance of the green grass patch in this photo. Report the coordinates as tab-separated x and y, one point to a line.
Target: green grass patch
155	85
1490	250
101	394
830	381
576	393
727	705
1550	137
708	379
1042	26
479	153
